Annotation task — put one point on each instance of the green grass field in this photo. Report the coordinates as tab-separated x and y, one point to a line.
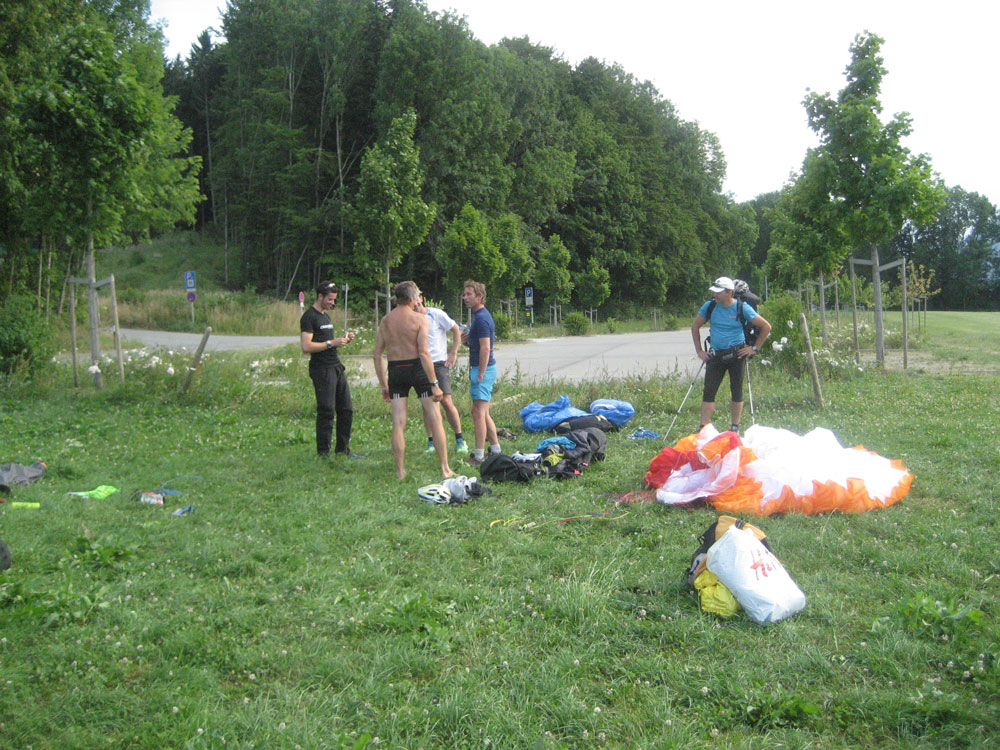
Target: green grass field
317	604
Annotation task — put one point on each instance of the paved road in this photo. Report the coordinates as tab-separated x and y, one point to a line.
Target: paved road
572	358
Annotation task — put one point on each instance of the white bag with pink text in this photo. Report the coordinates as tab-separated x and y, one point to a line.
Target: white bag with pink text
755	577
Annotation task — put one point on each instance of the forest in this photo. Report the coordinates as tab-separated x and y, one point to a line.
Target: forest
370	141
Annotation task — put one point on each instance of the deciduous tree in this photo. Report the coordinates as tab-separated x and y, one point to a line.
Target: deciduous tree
865	181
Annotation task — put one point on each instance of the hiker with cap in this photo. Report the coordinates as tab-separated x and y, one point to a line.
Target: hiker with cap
402	338
729	348
333	394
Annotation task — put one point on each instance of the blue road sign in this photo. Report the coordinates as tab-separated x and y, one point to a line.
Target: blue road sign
189	284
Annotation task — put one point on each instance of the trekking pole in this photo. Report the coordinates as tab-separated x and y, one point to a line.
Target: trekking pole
750	391
690	388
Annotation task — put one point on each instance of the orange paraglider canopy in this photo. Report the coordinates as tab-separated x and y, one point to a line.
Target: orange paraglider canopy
775	471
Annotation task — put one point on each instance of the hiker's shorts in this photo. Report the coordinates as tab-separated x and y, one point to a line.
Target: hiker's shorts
443	374
715	371
482	391
405	374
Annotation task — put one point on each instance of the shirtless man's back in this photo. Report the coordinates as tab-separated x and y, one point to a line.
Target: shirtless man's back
402	337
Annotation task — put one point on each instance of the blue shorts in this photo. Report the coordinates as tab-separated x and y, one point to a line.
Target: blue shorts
482	391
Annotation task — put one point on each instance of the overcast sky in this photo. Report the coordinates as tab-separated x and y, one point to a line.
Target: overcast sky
741	69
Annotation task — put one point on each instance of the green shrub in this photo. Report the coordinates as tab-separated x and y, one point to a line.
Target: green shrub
503	324
612	324
25	337
786	346
672	322
576	323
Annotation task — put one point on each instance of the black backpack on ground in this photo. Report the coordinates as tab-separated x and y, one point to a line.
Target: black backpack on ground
591	445
500	468
590	420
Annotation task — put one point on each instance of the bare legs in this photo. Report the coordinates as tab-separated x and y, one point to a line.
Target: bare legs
483	424
432	421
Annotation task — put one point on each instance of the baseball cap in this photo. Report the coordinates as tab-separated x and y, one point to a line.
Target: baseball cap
721	284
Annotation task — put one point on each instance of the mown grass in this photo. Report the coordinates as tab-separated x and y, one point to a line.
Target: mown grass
321	604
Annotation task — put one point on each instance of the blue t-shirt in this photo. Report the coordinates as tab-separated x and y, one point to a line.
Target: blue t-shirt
727	331
482	328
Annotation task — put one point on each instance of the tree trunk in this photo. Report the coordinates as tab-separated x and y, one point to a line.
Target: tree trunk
65	284
208	156
822	306
48	283
388	288
877	290
92	311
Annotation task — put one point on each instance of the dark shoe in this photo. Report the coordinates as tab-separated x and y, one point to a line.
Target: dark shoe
473	461
503	432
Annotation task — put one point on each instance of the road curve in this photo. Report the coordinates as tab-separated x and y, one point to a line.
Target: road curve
571	358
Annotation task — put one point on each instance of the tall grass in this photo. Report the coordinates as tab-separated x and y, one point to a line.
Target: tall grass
243	313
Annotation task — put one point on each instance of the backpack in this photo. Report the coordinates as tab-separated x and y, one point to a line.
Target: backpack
591	445
712	534
743	294
500	468
590	420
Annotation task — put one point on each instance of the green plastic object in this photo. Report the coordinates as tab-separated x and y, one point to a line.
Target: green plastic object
98	493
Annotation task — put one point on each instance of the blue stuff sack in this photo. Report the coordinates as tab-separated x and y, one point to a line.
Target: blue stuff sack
619	412
538	417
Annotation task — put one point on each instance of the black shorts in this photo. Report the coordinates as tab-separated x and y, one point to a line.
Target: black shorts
443	374
405	374
715	371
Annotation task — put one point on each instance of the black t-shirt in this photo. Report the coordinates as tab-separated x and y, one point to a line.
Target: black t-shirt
319	325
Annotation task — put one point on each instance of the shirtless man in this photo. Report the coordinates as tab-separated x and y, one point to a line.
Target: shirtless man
402	337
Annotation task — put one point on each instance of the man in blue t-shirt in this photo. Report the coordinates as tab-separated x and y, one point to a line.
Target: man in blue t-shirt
482	369
729	347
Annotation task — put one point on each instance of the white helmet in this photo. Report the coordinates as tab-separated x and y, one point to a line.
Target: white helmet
435	493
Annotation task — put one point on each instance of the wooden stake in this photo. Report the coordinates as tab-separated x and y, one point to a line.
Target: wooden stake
812	362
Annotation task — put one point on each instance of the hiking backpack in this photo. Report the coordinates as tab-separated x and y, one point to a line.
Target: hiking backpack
590	420
591	445
500	468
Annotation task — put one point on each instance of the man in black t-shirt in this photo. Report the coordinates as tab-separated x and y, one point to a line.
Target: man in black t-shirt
333	394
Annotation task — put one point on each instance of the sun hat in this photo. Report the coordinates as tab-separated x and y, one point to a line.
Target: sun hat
721	284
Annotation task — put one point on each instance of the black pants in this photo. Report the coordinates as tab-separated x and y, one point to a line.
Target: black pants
333	397
715	371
